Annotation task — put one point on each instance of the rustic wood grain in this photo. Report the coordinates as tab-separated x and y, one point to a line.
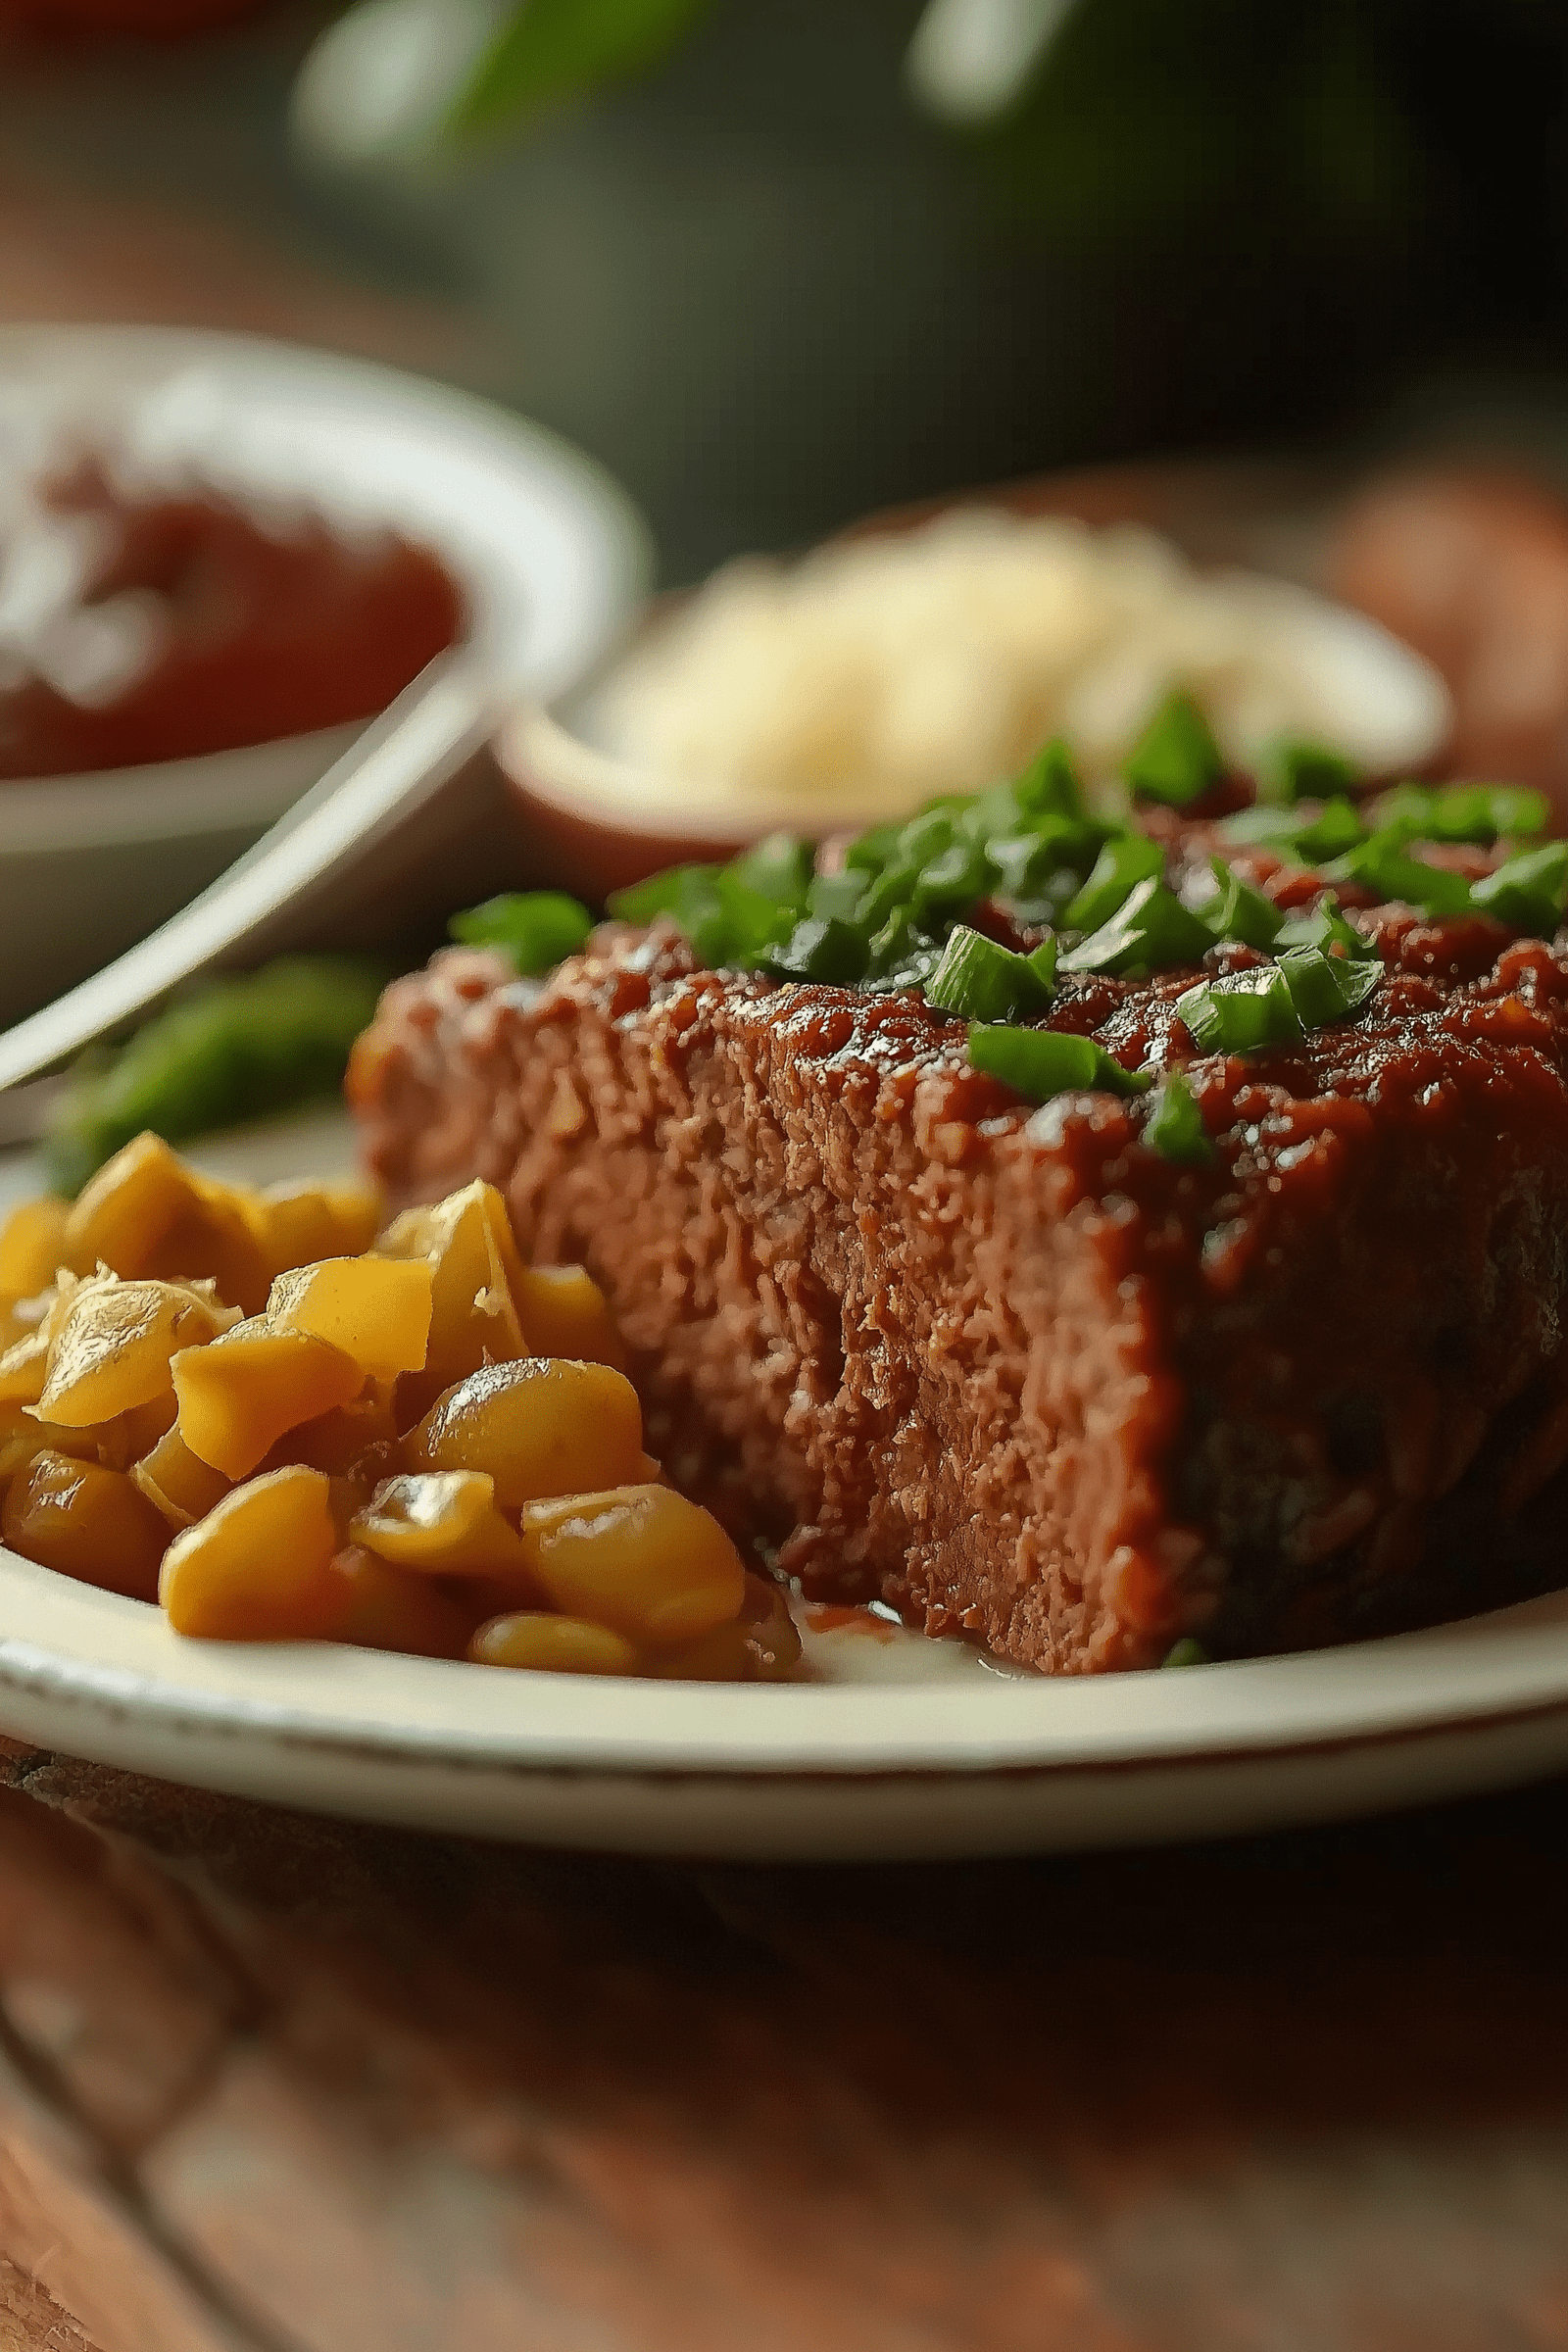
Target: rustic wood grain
336	2088
30	2320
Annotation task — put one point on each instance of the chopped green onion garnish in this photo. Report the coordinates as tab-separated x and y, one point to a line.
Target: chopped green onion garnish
536	928
1046	792
874	847
1336	827
1262	827
839	896
821	949
1150	931
925	837
1242	1011
1125	860
661	894
1324	926
1176	756
1327	987
1451	812
726	921
959	875
1380	864
1239	911
984	981
1526	892
778	867
1308	839
1175	1127
1048	786
901	951
1186	1653
1047	867
1275	1003
1041	1062
1290	770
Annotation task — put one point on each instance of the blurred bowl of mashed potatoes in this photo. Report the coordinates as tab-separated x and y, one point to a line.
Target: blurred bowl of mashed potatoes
900	663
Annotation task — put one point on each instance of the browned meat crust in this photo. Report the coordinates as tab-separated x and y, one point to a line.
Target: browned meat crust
1007	1368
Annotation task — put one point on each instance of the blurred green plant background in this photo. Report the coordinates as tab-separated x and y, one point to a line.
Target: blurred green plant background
778	264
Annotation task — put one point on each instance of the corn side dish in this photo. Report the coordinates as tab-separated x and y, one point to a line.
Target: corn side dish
283	1422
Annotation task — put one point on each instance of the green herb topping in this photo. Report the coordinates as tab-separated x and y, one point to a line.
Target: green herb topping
1150	931
1186	1653
1526	892
1290	770
1324	926
1131	858
893	914
1041	1062
1380	864
1277	1003
1239	911
985	982
536	928
1308	837
1454	813
1176	756
1174	1126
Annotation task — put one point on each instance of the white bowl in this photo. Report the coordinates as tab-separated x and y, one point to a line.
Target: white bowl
550	553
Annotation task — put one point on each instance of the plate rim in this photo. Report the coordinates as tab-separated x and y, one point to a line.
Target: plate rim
1509	1666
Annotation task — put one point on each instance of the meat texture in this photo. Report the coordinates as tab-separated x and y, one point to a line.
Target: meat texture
1007	1368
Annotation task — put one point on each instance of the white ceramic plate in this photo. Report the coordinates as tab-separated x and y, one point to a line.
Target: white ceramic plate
549	550
900	1747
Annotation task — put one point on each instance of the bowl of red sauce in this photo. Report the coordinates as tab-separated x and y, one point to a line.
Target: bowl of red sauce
220	558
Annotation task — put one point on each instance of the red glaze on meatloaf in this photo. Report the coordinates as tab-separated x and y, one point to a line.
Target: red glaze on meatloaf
1006	1368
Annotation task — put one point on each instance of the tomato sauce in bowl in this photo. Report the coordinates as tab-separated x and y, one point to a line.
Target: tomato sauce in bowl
139	628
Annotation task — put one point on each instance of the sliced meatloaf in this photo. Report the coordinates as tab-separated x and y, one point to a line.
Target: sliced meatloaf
1009	1369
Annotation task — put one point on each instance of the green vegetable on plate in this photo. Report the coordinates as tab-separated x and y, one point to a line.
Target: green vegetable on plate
985	982
1176	756
1041	1062
1174	1126
232	1051
536	928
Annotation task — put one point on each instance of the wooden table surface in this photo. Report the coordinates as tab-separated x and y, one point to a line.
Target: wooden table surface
270	2082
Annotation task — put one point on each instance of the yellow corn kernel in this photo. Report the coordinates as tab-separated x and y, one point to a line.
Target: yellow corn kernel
146	1214
87	1522
358	1440
110	1346
303	1223
388	1609
760	1646
216	1241
473	1260
259	1567
32	1245
442	1523
544	1426
177	1482
241	1394
563	1313
551	1645
377	1309
127	1206
124	1441
640	1559
24	1365
23	1438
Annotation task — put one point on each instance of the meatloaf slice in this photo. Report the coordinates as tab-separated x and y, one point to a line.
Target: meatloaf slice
1007	1368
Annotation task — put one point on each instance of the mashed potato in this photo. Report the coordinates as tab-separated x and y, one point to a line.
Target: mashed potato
884	669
